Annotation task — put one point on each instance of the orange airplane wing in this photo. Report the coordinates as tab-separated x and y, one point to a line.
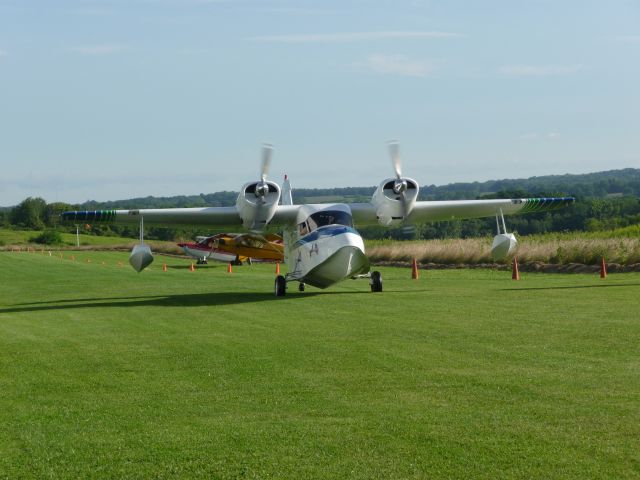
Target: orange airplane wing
269	247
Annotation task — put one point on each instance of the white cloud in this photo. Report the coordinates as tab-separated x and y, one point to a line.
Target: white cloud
397	65
103	49
349	37
94	11
628	38
538	70
539	136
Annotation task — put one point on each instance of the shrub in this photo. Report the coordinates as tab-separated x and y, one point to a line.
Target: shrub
48	237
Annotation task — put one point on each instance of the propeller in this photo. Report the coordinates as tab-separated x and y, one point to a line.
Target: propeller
262	189
400	184
267	151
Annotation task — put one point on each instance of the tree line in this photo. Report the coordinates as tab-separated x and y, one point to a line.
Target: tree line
605	201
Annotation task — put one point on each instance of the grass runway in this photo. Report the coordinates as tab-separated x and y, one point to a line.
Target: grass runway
106	373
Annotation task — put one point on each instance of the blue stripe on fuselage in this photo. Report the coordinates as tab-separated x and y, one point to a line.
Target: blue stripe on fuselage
323	232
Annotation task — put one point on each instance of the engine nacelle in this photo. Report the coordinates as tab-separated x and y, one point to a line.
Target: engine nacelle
257	203
388	201
503	245
141	257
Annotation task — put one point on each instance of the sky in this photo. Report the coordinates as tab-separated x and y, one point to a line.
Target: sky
114	99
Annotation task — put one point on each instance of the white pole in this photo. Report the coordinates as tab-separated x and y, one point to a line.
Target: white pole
77	236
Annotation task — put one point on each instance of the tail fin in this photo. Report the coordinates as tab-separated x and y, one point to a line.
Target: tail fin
286	192
289	233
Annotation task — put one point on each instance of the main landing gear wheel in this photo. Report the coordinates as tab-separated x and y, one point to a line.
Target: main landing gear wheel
376	282
301	287
280	286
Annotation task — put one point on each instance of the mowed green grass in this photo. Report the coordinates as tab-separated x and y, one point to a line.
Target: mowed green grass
21	237
106	373
26	237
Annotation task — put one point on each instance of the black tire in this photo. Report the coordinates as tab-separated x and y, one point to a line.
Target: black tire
301	287
280	286
376	282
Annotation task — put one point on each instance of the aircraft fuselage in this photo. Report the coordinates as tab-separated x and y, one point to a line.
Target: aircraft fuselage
325	248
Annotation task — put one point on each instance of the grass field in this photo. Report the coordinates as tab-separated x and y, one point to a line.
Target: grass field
106	373
24	238
617	246
620	246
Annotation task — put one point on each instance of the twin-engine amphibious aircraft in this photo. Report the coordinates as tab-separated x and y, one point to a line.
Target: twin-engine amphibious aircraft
321	246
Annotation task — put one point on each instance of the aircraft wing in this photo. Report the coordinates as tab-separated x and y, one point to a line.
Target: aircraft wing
433	211
210	216
363	213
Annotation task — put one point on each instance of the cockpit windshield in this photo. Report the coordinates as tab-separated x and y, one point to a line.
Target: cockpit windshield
329	217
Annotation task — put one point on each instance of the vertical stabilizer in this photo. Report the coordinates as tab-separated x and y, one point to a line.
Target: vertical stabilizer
289	234
286	192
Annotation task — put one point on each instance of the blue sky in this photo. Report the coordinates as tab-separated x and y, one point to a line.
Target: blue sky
110	99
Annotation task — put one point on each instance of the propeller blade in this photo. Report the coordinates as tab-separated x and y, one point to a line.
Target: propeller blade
394	151
400	185
267	151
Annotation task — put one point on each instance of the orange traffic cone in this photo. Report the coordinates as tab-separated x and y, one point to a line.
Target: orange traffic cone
164	267
192	267
515	274
414	269
229	269
603	268
277	268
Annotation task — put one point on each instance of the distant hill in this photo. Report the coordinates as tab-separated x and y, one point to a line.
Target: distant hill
588	185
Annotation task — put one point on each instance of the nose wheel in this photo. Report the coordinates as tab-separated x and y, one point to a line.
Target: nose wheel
301	287
376	282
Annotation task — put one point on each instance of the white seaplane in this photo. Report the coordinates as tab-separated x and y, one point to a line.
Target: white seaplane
321	246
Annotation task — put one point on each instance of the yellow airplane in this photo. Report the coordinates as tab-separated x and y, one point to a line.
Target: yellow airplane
237	248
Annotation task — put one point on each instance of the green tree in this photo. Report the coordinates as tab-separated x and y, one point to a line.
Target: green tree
30	213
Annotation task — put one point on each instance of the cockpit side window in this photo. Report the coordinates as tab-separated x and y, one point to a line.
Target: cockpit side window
303	228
